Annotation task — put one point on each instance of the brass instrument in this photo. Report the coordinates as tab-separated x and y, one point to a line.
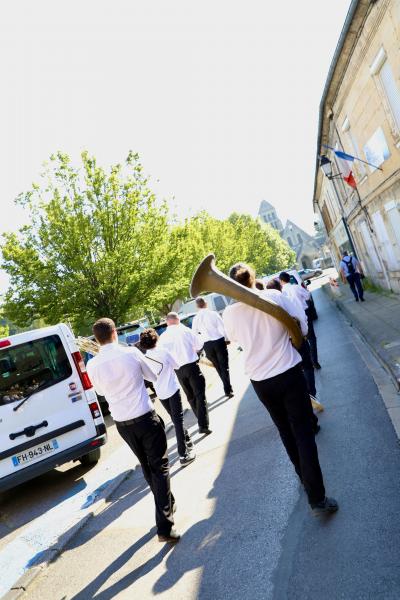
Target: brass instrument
208	278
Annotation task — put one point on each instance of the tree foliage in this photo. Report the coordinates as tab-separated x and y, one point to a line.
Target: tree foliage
99	244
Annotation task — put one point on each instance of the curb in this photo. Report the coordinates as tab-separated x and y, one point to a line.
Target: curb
22	584
379	354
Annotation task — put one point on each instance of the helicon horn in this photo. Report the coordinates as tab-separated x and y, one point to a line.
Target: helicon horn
208	278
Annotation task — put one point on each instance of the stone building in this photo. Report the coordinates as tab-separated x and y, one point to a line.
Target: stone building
360	115
306	246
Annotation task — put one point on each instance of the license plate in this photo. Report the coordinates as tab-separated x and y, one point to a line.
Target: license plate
34	453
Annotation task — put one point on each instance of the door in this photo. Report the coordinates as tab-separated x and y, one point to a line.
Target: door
43	407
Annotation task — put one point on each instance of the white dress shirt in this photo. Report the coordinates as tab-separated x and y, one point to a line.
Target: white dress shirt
167	382
118	373
265	341
296	293
209	325
182	343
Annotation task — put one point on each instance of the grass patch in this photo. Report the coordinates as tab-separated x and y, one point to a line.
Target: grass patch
369	286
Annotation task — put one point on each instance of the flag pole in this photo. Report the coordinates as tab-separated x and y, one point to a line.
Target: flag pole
354	157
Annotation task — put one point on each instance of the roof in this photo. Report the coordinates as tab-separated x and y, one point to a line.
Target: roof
265	206
357	13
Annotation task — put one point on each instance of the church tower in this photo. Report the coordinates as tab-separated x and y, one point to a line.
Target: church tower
267	214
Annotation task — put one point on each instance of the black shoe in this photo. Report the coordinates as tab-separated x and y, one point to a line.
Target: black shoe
356	299
172	538
362	299
205	430
327	506
316	365
230	394
187	459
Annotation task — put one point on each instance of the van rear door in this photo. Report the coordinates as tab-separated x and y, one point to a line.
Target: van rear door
43	407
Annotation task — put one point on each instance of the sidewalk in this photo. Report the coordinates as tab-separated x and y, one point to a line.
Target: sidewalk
377	320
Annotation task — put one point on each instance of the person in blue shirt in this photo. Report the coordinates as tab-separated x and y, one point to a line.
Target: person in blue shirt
350	270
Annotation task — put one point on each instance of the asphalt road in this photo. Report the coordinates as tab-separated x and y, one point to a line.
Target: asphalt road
247	531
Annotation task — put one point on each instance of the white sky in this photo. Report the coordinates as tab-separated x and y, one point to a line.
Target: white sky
220	98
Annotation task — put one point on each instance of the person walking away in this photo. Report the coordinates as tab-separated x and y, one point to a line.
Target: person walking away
209	325
350	270
168	392
274	367
302	296
184	345
118	374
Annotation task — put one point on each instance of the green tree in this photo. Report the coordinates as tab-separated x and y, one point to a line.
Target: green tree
95	246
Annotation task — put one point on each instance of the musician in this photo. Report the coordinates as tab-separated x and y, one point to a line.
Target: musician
184	345
274	367
301	295
118	373
168	392
209	325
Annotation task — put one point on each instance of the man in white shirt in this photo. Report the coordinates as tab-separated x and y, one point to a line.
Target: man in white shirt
274	367
118	374
209	325
302	296
184	346
168	392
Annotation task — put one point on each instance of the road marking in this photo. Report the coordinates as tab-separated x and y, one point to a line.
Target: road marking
42	539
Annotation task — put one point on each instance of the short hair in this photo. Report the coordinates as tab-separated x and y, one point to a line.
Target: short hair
201	302
274	284
345	253
284	277
259	284
243	274
103	330
148	338
173	315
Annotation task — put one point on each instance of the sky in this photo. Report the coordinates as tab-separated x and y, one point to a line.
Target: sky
220	99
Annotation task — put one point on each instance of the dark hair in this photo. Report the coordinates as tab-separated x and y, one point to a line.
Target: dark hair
274	284
148	338
259	284
103	330
243	274
201	302
284	277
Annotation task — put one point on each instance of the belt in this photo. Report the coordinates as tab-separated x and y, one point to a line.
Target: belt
136	419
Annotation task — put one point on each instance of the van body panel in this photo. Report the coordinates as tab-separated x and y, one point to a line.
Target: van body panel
42	358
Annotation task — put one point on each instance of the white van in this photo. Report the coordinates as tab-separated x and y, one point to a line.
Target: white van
217	302
49	412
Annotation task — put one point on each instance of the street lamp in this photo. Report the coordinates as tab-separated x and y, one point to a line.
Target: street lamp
326	167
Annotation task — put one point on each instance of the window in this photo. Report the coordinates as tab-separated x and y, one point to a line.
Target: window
359	167
388	89
299	238
384	240
26	367
219	303
289	241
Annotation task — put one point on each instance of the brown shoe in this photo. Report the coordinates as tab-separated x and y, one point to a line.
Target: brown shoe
172	538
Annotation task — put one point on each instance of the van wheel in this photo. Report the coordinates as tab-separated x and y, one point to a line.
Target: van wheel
90	459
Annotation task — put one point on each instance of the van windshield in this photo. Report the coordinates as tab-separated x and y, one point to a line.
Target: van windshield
34	364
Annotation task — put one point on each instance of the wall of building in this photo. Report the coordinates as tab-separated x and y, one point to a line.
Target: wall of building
365	122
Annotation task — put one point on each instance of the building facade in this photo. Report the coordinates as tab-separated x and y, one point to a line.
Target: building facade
360	115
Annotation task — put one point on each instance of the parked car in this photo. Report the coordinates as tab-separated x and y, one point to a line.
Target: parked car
310	273
49	413
215	301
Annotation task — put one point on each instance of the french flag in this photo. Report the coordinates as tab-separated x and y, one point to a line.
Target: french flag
346	167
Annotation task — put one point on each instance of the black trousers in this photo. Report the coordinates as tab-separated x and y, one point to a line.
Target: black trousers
147	440
355	284
217	352
173	406
305	353
312	339
194	385
286	398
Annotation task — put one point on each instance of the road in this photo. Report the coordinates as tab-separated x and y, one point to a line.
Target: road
247	531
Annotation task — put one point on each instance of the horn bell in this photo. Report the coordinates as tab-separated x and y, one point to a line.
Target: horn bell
208	278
